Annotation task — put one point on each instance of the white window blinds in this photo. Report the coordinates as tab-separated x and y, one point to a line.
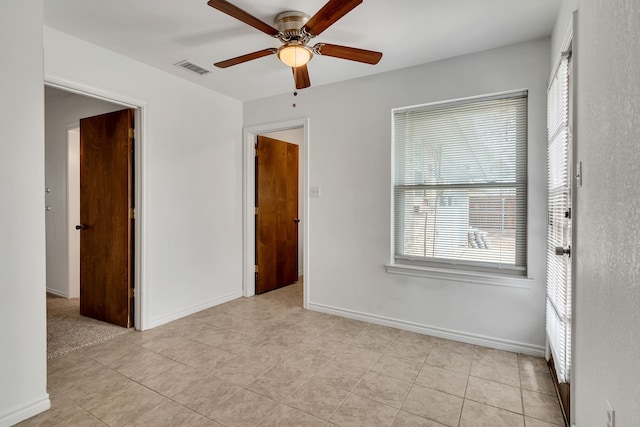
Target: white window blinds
460	185
559	225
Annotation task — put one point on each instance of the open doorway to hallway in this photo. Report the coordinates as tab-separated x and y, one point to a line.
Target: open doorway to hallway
278	208
64	111
294	132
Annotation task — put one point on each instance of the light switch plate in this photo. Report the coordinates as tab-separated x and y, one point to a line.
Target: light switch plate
314	192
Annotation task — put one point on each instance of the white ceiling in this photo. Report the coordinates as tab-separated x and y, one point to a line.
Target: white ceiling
408	32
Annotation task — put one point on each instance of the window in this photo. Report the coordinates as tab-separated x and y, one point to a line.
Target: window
460	184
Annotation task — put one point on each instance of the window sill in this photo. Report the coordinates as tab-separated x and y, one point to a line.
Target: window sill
460	276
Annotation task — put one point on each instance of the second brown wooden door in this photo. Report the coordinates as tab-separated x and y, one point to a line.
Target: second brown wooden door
106	190
276	214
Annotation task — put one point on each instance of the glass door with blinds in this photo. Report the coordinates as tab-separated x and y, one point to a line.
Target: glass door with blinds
559	166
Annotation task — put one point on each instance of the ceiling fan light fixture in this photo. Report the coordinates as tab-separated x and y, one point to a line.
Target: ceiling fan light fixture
294	55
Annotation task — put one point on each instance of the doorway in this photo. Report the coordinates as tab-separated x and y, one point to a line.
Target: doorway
277	237
282	131
65	106
560	199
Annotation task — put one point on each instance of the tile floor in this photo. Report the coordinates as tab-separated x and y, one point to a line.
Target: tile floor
264	361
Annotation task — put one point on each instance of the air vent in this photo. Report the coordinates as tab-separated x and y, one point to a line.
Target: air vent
187	65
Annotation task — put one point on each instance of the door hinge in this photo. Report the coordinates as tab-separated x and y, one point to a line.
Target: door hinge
132	213
256	211
256	268
132	292
131	132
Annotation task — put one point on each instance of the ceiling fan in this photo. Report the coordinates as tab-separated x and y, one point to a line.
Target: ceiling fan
295	30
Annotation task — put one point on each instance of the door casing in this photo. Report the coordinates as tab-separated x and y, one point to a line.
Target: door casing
250	135
140	171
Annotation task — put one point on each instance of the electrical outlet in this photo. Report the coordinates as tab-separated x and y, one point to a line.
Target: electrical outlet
611	415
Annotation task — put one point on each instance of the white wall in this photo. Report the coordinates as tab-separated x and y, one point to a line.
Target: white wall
350	225
296	136
59	116
23	367
191	179
607	249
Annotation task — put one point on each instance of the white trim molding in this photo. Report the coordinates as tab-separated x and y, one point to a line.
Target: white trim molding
159	321
57	293
26	412
466	276
465	337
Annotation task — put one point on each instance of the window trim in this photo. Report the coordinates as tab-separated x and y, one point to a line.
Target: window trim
516	277
460	275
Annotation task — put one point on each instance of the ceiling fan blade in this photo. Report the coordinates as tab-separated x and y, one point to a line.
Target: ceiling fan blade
329	14
350	53
234	11
301	76
244	58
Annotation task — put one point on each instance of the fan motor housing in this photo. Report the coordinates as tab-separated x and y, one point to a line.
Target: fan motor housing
290	22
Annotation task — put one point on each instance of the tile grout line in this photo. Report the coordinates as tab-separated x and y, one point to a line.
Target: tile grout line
366	373
524	417
348	393
466	387
424	363
278	402
412	383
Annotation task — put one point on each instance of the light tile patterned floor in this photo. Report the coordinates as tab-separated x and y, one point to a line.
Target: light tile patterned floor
264	361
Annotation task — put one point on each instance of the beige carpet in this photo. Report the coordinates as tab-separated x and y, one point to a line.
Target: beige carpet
67	331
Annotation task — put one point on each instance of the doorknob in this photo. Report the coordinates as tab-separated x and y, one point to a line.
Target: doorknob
563	251
80	227
296	220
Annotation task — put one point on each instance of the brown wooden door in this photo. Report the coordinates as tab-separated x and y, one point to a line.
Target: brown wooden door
106	194
277	214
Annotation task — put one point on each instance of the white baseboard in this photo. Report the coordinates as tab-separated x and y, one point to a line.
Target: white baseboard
25	412
481	340
57	292
158	321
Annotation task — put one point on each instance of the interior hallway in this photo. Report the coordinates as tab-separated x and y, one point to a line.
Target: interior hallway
265	361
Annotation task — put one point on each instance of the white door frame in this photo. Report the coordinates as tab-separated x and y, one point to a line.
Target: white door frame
250	135
140	181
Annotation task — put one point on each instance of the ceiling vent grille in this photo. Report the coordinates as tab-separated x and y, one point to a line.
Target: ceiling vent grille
187	65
